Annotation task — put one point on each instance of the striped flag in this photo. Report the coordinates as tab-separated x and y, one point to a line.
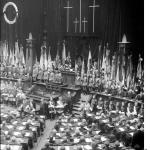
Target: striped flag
17	52
10	57
36	61
13	61
64	53
139	68
104	59
45	59
99	63
82	70
69	54
89	62
49	59
5	51
41	59
22	59
113	68
123	70
129	71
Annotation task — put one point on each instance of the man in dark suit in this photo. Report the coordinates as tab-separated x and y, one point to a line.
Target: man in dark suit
69	102
43	108
138	138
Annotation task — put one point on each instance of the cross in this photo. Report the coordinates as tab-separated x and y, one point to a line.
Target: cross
80	15
94	6
76	22
84	22
68	7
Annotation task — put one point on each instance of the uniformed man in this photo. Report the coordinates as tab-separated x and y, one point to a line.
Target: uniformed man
40	75
35	73
130	112
97	82
85	81
78	80
94	105
90	85
45	76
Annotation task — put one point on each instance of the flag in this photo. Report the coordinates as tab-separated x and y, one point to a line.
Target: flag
69	54
10	57
82	70
107	57
64	53
108	67
132	83
22	59
113	68
104	59
13	61
128	81
139	68
49	55
123	75
89	62
36	61
129	71
123	70
41	59
76	67
45	59
117	75
17	52
57	59
99	63
5	51
49	59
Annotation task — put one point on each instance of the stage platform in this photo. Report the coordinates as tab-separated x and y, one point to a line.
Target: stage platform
58	87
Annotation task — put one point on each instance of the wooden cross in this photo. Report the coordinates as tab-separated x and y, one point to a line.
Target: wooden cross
75	23
84	22
68	9
94	6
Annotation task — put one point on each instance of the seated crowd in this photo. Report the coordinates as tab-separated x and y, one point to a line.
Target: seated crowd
102	124
17	129
14	72
98	84
20	125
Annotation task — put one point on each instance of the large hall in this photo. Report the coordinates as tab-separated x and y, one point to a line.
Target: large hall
72	75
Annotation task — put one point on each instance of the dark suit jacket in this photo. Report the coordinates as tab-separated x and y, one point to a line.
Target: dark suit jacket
138	139
44	109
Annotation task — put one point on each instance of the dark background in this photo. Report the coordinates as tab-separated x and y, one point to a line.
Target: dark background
112	19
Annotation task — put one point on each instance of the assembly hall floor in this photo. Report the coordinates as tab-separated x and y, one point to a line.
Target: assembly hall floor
50	124
44	138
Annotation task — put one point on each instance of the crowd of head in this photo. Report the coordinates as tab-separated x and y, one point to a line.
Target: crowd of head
14	72
20	125
98	84
20	130
102	124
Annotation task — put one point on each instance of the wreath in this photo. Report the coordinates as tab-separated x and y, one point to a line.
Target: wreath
4	11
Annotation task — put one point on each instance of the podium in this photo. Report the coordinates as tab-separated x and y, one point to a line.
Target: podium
68	77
